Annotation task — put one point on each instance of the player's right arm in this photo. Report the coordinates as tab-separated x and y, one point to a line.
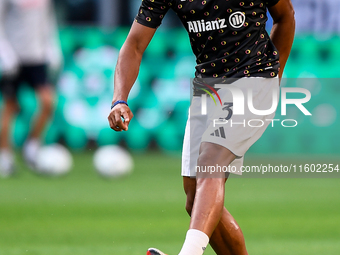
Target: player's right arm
129	59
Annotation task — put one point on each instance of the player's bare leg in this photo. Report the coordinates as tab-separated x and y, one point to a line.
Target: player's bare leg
205	203
46	97
6	157
9	110
227	238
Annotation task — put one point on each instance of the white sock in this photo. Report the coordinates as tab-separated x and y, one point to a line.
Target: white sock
31	148
195	243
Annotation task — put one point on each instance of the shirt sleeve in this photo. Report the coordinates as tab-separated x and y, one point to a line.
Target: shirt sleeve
152	12
271	3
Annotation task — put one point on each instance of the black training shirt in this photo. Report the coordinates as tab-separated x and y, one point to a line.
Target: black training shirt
228	37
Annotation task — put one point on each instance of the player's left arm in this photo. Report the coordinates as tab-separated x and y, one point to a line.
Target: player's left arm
283	30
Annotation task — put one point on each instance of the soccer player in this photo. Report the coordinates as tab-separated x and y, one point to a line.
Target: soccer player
28	43
229	40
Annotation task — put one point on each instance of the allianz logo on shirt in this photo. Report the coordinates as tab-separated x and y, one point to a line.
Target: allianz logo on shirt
236	20
202	26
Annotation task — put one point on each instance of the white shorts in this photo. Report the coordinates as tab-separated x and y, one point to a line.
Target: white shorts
220	125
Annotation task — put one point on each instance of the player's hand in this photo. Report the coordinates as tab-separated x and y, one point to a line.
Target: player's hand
120	117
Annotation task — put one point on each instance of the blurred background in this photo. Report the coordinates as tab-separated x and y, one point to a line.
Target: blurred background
82	213
91	34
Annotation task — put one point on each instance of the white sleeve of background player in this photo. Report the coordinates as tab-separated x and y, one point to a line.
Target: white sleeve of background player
53	48
9	62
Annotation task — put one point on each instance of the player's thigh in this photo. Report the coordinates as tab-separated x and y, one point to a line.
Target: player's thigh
213	161
238	132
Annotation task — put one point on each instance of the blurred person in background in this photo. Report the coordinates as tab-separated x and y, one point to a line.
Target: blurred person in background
28	47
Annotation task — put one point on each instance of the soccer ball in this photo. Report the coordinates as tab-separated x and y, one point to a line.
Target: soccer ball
112	161
53	160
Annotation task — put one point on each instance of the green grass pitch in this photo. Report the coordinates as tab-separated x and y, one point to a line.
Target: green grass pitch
85	214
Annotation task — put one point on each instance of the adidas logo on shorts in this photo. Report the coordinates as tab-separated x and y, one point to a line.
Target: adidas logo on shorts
219	133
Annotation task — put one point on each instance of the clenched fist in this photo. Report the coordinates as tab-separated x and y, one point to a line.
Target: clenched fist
119	117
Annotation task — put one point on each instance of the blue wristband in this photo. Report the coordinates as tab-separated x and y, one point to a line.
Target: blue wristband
119	102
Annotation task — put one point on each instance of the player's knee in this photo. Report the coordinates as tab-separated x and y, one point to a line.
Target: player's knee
210	182
11	106
47	106
11	103
47	103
